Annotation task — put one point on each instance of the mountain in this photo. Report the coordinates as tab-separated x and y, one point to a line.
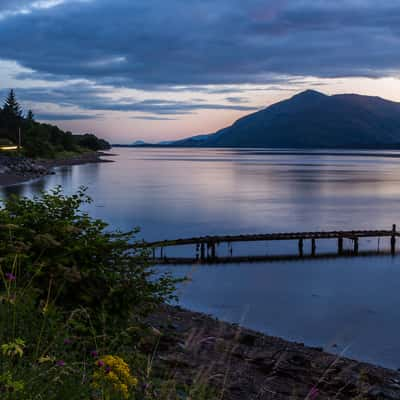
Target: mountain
312	120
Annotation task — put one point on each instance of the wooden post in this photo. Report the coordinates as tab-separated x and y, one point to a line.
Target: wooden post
202	252
154	253
197	251
340	245
313	247
162	252
213	253
393	241
355	245
301	245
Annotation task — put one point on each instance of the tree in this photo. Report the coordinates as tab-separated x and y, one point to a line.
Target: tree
11	106
30	117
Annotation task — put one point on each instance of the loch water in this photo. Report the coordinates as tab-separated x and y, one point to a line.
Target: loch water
349	306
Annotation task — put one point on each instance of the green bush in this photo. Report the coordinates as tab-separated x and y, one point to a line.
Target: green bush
73	297
74	260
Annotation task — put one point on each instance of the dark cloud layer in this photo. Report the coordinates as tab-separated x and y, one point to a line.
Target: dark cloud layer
156	42
209	47
95	99
63	117
150	118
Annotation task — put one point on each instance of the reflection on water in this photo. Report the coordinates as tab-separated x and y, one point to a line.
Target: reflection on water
347	306
189	192
174	193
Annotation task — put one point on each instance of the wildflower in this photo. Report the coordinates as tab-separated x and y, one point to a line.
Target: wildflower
314	392
67	341
94	353
10	277
114	376
60	363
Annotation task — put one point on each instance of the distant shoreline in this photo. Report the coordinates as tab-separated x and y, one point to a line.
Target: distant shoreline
41	168
286	151
177	146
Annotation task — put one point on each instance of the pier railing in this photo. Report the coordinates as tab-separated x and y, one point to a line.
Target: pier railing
206	246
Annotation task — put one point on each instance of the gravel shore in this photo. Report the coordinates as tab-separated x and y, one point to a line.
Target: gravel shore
15	170
242	364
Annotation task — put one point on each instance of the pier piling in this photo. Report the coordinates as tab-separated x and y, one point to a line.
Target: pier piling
340	245
213	252
301	247
313	247
393	240
355	240
202	252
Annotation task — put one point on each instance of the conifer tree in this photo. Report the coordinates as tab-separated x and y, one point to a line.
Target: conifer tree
11	106
30	117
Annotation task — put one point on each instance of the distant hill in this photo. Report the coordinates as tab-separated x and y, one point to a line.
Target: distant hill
312	120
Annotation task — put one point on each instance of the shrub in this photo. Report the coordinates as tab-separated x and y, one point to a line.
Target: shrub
72	259
72	300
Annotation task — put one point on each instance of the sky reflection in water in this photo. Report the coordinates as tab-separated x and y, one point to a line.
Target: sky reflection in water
174	193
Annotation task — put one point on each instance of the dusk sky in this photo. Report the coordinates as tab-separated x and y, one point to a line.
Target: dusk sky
164	69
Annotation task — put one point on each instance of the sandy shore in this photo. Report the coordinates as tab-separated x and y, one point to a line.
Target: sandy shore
12	178
242	364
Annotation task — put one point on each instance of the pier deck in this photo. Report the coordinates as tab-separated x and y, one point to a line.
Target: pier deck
206	245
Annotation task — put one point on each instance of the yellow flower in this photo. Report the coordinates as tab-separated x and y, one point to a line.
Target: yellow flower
113	374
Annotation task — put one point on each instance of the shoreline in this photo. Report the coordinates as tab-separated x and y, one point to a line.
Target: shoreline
25	170
245	364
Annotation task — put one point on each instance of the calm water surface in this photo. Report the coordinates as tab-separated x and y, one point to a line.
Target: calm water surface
344	305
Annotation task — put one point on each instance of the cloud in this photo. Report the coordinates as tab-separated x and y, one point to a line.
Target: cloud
188	56
237	99
63	117
153	43
10	8
151	118
88	97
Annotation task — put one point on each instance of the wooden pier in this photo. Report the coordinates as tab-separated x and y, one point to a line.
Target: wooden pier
206	246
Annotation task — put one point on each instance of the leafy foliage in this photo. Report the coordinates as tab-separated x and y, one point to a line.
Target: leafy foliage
72	300
61	248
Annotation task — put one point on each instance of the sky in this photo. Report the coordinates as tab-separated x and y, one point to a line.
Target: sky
157	70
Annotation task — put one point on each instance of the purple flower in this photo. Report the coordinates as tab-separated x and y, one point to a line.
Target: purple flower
314	392
10	276
94	353
60	363
100	363
67	341
108	369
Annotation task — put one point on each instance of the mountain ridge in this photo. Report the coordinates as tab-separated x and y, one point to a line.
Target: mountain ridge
311	119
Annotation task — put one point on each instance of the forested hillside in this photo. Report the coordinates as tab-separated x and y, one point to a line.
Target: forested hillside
38	139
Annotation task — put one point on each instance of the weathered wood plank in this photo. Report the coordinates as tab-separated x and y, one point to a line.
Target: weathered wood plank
210	240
